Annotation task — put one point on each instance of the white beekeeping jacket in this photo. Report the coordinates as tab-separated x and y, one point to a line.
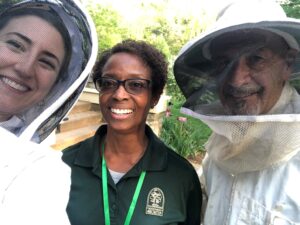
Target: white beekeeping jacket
268	196
34	182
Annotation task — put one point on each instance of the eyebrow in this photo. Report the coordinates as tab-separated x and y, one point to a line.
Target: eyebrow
29	41
134	75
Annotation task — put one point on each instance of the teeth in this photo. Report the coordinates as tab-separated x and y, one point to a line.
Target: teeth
121	111
14	84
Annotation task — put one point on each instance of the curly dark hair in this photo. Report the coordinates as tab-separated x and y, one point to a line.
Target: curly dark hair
151	56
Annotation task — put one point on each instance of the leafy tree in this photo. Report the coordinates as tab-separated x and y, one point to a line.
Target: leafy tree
109	29
169	34
292	8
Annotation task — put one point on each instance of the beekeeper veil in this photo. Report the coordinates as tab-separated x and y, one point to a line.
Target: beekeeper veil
254	116
38	121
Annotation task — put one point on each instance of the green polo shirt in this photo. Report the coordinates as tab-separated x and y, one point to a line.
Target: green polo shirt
170	193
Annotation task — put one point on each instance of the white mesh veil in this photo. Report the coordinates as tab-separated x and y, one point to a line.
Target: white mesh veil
39	120
248	143
242	143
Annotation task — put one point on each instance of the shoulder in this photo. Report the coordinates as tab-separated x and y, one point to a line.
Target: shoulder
69	154
183	168
178	160
183	173
29	180
175	163
160	148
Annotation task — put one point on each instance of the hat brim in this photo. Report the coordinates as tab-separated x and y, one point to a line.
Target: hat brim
192	67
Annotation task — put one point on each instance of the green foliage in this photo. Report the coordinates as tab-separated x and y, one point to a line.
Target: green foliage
292	8
186	138
169	35
172	87
109	29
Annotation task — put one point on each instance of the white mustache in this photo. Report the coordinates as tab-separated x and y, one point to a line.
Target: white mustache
242	91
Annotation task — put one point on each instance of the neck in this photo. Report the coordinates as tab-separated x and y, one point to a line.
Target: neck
123	151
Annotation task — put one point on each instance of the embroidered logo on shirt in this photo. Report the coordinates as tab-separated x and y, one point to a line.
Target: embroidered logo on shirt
155	202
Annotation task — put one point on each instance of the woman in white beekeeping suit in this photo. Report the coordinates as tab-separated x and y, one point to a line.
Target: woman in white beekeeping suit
47	50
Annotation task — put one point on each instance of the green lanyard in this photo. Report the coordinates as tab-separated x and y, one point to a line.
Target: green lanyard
105	193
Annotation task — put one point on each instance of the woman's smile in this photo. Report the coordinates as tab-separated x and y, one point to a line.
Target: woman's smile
121	114
14	84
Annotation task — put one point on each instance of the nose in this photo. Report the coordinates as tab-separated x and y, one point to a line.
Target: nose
241	74
120	93
25	67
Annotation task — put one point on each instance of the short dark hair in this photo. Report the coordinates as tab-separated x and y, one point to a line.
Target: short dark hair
49	16
150	55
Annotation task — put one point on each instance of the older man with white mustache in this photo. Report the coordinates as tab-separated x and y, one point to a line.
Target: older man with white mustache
242	79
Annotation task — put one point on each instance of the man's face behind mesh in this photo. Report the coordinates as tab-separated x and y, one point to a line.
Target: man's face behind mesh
251	71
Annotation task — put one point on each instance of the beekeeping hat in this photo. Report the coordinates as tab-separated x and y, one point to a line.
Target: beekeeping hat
193	66
242	143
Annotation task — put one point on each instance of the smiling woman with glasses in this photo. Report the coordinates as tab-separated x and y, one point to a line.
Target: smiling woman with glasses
125	174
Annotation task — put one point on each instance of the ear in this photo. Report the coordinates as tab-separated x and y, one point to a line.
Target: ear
154	102
290	58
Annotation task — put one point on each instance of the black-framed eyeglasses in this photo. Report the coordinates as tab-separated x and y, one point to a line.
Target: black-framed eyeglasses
133	86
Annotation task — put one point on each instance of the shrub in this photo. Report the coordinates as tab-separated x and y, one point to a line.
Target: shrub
184	134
